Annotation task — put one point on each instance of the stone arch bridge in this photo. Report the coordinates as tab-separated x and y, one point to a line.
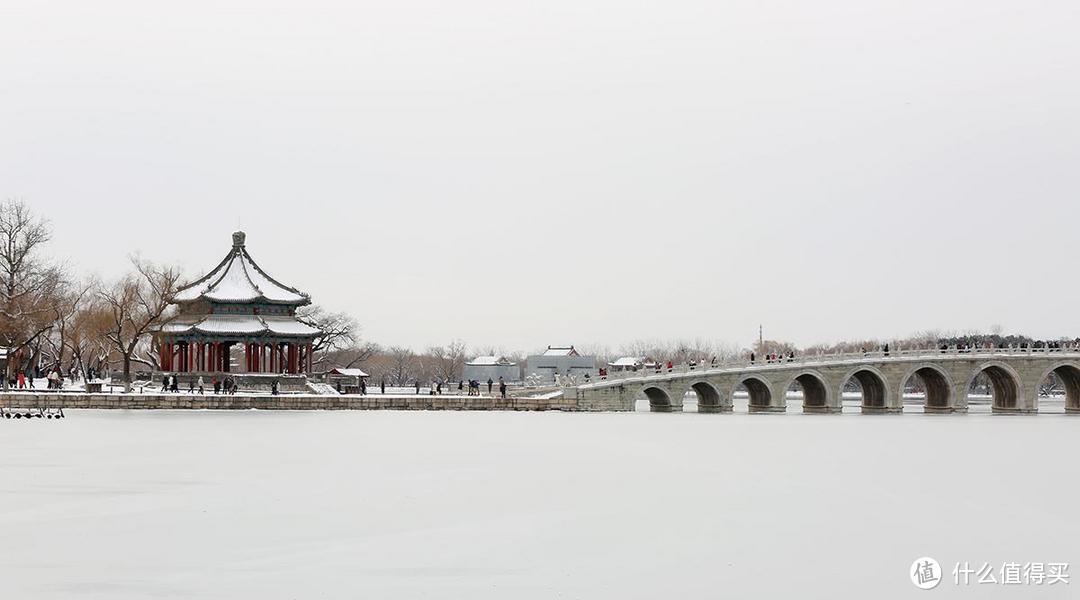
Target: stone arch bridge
946	375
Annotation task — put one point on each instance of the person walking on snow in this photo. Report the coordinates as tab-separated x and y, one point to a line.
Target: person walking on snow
489	385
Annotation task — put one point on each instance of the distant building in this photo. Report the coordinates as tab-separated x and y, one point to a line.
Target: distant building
560	360
345	377
627	363
483	368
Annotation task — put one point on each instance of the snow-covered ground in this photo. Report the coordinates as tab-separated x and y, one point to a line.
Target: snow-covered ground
267	504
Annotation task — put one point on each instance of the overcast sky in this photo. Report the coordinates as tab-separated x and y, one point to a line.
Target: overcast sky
587	172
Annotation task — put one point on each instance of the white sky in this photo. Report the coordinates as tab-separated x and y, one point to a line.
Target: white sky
574	171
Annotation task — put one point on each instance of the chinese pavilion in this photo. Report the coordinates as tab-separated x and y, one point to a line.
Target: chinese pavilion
237	305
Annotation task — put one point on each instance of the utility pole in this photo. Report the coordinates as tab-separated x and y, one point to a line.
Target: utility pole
760	337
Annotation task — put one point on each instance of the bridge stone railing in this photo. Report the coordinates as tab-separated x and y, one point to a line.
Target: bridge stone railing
818	359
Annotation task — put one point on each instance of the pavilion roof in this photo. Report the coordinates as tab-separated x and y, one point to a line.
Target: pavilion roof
245	325
237	279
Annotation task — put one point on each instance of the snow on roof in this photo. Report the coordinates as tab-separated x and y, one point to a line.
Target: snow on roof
231	324
626	361
480	361
348	372
241	325
289	326
560	351
238	279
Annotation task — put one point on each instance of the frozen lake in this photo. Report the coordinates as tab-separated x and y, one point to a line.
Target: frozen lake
506	505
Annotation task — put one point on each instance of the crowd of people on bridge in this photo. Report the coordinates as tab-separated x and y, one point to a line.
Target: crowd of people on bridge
774	357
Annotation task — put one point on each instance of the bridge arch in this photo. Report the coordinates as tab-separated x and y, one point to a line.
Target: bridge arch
874	385
1069	374
936	383
1004	383
816	397
758	389
710	399
659	400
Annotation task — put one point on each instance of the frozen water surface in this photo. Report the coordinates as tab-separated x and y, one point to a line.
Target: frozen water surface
528	505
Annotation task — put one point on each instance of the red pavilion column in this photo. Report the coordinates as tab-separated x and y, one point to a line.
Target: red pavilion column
310	353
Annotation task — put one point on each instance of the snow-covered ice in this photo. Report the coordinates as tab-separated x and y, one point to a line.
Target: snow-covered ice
266	504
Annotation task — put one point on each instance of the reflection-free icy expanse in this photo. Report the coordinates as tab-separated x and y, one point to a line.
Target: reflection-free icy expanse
527	505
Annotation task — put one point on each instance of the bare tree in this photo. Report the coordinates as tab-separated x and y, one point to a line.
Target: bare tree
351	356
69	301
86	336
28	284
403	367
339	330
448	361
137	304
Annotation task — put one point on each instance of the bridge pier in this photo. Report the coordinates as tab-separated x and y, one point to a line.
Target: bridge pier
767	409
822	410
882	410
1015	410
713	409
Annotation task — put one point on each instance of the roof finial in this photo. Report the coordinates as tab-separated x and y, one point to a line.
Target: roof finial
238	238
